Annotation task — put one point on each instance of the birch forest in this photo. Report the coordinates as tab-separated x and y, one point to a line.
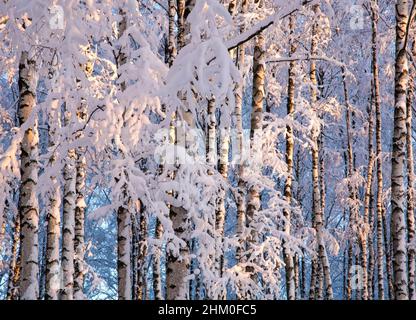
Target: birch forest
207	149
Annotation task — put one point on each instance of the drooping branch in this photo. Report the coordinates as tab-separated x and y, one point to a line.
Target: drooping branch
264	24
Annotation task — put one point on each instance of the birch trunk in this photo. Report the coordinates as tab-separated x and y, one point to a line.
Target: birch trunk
124	253
141	258
177	269
388	250
181	23
288	257
52	276
353	210
253	201
316	196
241	219
81	168
68	223
377	103
224	146
171	55
157	265
178	266
124	229
398	156
367	198
410	189
221	211
371	253
15	263
171	32
28	204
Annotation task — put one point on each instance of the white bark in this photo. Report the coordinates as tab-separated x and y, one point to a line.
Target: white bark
288	257
68	225
28	203
398	198
81	168
52	277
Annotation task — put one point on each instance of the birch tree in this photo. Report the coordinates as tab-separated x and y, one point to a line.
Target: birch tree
28	204
398	155
52	276
289	263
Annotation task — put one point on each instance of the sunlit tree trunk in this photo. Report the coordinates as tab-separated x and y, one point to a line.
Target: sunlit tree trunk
410	188
377	103
157	265
124	230
178	266
171	32
320	264
171	55
124	253
398	223
364	235
28	204
388	252
15	263
238	114
224	146
68	222
53	218
181	23
288	257
142	255
177	269
253	201
353	210
81	168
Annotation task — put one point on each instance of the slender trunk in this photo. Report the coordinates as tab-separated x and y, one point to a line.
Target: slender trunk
303	278
371	260
288	257
410	189
253	201
68	223
124	231
238	113
211	146
314	271
297	275
53	218
157	264
224	143
221	211
177	269
377	103
398	223
28	204
364	234
171	32
171	55
181	23
141	257
353	211
15	263
81	167
388	250
322	272
211	155
178	266
124	253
